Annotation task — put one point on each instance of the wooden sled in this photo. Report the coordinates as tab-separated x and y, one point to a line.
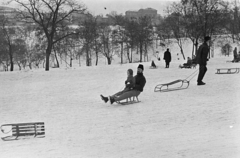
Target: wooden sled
23	130
152	67
131	101
191	66
168	86
227	70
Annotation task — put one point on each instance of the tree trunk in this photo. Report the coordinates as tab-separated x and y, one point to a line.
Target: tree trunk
109	60
145	53
121	52
11	60
48	53
71	62
128	55
96	58
56	59
79	59
140	52
30	66
196	47
131	55
11	65
19	65
47	61
182	53
87	56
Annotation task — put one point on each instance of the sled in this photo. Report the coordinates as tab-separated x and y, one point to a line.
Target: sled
152	67
131	101
170	86
227	70
190	66
23	130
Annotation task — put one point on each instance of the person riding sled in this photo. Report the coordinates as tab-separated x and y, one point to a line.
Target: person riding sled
137	88
153	65
129	83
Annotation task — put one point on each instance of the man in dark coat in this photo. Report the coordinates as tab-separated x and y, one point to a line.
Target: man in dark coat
202	58
167	57
140	82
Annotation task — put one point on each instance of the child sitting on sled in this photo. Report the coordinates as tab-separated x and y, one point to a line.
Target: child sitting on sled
153	65
129	84
138	85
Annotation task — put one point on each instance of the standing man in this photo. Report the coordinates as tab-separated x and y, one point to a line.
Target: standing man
202	58
167	57
235	55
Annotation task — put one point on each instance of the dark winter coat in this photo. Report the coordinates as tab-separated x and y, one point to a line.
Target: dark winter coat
235	54
202	54
140	82
167	56
130	82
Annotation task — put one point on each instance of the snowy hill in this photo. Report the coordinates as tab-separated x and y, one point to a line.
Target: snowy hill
198	122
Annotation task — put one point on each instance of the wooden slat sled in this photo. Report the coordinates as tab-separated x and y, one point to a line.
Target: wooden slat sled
171	86
129	101
227	70
23	130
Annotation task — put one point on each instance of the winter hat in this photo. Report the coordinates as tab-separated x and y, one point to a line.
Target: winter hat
130	71
207	38
140	66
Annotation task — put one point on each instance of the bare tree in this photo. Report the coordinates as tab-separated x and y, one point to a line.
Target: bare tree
175	22
107	42
87	34
203	18
9	36
49	15
131	37
144	34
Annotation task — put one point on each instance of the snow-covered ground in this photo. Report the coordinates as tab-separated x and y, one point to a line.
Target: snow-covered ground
198	122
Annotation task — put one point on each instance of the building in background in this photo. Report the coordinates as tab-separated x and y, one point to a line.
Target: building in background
149	12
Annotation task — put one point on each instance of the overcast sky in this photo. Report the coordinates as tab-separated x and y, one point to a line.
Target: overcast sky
97	7
121	6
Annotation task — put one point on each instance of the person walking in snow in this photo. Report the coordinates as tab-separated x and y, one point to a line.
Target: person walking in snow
235	55
139	84
202	58
167	57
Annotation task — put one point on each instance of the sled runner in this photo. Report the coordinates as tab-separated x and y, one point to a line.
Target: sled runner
171	86
23	130
175	85
131	101
152	67
227	70
188	66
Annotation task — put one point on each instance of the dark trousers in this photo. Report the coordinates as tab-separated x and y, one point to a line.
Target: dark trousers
125	95
202	71
167	64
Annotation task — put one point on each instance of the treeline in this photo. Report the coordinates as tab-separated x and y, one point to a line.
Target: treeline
48	32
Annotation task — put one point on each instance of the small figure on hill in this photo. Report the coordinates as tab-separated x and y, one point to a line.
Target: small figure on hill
189	61
167	57
202	58
235	54
139	83
153	65
188	64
